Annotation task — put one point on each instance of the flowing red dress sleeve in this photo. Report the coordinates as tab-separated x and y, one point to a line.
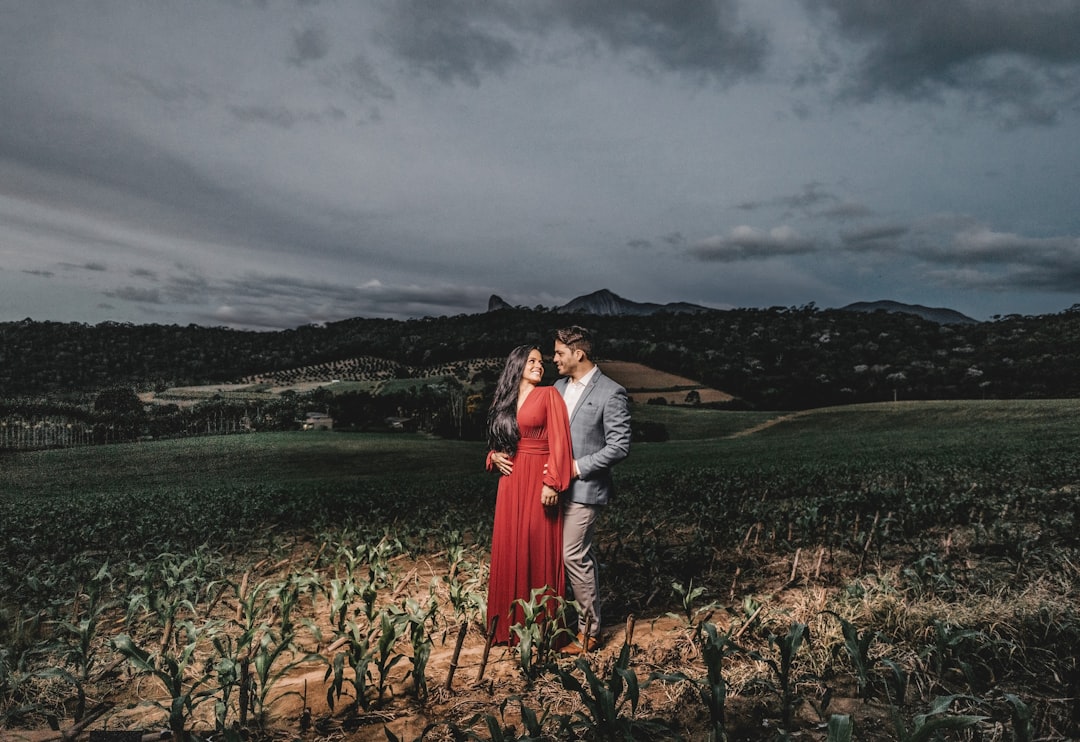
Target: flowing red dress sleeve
560	466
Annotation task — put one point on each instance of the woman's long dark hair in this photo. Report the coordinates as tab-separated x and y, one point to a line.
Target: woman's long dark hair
502	428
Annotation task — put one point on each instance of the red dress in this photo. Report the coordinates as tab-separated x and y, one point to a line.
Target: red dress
526	542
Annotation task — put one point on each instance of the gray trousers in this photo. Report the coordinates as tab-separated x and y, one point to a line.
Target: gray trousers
580	564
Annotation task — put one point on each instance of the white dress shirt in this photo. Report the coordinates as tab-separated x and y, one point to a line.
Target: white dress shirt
574	390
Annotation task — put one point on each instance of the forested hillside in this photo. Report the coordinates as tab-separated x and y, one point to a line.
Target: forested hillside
777	358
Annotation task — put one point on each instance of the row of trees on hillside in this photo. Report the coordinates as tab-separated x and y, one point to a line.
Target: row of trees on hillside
118	415
777	358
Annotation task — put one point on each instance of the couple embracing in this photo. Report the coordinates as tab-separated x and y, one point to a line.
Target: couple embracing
554	446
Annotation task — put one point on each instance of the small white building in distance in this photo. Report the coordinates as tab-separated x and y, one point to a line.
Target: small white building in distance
318	421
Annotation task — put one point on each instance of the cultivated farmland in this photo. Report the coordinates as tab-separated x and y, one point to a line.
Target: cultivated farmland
903	570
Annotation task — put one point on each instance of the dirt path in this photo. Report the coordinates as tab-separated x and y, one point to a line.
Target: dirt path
767	424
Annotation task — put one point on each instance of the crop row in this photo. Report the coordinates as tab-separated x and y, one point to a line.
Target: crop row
159	581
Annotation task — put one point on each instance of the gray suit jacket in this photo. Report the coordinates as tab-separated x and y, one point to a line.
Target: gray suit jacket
599	436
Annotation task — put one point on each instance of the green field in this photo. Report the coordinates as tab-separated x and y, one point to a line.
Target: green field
957	515
881	435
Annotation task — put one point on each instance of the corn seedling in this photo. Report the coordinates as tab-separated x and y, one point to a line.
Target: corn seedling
227	671
467	594
19	648
266	661
455	551
952	649
254	609
783	670
497	728
342	594
858	649
929	726
541	625
379	574
414	617
81	630
604	703
840	728
177	674
928	576
288	595
386	656
712	688
343	591
169	587
1023	724
693	616
715	647
359	654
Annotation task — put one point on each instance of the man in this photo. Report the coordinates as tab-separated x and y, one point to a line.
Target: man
599	410
600	437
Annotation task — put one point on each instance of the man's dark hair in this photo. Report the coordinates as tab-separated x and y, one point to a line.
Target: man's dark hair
576	337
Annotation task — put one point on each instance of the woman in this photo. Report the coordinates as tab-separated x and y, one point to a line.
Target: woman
529	423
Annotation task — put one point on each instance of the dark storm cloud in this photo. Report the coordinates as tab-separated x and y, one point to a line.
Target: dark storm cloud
309	45
89	237
170	93
959	254
138	182
981	246
670	240
746	243
361	78
953	252
92	266
874	237
1060	279
450	39
461	41
283	117
693	36
1018	59
135	294
63	144
273	301
812	195
259	288
847	211
410	141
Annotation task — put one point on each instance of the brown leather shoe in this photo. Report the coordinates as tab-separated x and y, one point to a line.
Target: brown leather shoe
580	645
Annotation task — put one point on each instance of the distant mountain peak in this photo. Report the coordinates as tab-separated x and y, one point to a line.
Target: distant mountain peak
495	303
607	303
941	315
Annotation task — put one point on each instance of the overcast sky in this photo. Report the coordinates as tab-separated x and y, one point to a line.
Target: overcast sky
268	164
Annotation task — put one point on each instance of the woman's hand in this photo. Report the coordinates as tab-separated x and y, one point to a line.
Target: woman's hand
549	496
502	462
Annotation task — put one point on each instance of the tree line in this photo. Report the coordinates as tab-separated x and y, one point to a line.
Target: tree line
775	358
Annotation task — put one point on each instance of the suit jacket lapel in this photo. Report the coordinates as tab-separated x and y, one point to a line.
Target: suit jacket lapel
585	394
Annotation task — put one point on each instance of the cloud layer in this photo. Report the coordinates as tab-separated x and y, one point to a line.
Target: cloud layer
275	163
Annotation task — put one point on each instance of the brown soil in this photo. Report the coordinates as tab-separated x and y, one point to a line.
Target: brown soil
643	383
660	644
787	587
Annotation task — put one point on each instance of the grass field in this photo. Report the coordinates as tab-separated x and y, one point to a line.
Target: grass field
943	536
